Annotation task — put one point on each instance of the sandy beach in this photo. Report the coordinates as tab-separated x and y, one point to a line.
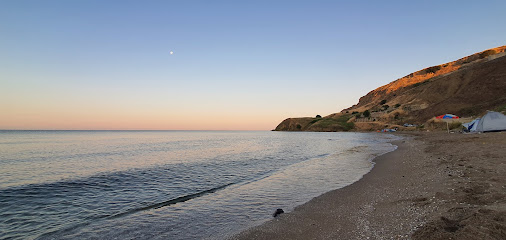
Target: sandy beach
434	186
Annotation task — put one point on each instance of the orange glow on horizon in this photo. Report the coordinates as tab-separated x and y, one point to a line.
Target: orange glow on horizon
132	121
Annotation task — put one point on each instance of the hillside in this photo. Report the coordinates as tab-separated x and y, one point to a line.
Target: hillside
466	87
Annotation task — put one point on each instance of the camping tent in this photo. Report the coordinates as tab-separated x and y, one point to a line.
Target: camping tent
492	121
471	126
446	116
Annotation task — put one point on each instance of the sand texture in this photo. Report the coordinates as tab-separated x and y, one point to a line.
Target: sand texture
434	186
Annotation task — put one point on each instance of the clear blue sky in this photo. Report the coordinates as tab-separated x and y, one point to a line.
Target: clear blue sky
236	64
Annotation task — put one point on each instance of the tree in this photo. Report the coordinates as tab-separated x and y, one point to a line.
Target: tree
385	107
367	114
318	116
383	102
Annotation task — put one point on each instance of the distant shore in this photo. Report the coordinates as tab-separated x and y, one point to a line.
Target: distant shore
434	186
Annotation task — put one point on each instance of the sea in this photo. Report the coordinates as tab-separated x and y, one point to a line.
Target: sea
169	184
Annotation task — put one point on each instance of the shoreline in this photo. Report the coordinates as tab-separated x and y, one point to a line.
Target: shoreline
434	185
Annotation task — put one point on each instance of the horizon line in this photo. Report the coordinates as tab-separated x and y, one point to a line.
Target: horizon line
129	130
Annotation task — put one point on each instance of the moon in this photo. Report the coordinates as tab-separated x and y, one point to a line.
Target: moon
171	52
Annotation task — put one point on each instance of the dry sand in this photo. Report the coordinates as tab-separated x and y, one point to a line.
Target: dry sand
434	186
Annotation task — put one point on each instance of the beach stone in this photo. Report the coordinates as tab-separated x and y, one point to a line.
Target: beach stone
277	212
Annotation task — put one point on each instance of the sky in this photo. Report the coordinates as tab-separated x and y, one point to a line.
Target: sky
236	65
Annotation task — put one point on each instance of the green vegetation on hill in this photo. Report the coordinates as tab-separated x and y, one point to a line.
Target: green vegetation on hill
326	124
501	109
340	122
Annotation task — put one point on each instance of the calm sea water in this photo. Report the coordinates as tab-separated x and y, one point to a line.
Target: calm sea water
168	184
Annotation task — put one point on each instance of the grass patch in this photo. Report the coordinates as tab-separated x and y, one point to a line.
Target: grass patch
454	125
327	122
336	124
501	109
316	120
343	121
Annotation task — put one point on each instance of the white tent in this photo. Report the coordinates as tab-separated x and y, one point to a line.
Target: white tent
471	126
492	121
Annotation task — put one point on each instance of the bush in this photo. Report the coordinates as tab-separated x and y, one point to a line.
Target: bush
354	112
299	126
385	107
397	105
318	116
383	102
367	113
433	69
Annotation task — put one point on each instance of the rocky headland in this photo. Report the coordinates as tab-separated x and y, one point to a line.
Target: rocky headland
467	87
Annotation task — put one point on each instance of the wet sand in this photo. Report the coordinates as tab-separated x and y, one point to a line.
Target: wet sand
434	186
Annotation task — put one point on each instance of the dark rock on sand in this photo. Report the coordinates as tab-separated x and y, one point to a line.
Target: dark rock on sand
277	212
